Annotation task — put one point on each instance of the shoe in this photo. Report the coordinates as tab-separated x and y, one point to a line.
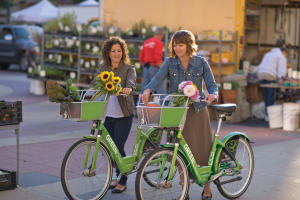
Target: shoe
205	197
118	191
113	185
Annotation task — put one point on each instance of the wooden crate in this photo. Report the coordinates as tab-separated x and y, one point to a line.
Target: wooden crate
254	93
10	112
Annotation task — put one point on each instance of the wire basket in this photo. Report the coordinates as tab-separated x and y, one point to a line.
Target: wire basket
84	110
160	112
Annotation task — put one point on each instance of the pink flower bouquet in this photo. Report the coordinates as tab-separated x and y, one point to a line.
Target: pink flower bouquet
188	89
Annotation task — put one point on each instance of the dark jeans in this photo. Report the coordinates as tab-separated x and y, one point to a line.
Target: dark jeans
269	94
119	129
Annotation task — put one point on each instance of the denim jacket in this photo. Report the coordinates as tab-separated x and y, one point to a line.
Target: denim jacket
197	70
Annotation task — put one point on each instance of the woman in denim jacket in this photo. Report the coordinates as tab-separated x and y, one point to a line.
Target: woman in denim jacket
184	65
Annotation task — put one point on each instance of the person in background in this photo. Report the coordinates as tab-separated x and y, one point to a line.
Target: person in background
120	108
273	67
151	59
184	65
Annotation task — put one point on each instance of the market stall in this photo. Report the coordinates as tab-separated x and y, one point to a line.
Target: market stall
269	25
39	13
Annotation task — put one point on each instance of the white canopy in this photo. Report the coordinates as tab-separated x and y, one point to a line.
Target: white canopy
39	13
89	3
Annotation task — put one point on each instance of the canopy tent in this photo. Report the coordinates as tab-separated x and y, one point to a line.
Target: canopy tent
89	3
39	13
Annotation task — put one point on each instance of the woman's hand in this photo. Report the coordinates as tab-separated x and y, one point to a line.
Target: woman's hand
145	96
211	97
126	91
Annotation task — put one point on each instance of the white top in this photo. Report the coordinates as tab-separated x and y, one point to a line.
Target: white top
113	108
273	63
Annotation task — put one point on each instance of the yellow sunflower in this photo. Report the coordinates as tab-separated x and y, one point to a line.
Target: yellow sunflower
119	90
104	76
109	86
117	80
112	74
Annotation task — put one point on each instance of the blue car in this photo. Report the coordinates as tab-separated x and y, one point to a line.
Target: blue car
16	47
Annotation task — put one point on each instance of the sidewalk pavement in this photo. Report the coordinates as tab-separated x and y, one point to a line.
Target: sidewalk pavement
276	177
45	137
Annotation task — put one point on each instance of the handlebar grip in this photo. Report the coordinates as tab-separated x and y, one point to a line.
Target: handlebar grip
133	92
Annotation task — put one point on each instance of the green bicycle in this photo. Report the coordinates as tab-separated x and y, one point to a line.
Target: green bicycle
170	167
86	170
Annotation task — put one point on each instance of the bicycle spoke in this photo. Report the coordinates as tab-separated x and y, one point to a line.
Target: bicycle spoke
176	188
234	184
82	183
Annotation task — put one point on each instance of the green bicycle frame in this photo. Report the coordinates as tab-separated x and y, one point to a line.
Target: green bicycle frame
125	164
201	173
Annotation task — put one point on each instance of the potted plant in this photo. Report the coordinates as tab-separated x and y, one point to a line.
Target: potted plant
229	91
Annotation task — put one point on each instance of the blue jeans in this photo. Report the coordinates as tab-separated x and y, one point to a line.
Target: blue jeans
148	75
269	94
119	129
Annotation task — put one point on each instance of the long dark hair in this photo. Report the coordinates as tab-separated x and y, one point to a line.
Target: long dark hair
107	45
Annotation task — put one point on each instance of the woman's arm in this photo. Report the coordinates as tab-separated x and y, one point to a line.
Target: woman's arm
131	78
209	81
159	77
130	81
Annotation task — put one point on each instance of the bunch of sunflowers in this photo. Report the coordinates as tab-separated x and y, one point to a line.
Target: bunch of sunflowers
107	82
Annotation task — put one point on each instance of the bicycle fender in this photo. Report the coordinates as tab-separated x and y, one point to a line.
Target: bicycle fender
224	140
235	134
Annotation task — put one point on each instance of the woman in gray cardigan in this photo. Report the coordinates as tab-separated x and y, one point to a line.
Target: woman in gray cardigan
120	108
183	65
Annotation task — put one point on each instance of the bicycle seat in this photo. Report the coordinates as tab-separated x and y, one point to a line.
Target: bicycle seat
226	108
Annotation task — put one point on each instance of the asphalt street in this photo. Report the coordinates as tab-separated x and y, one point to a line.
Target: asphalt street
45	137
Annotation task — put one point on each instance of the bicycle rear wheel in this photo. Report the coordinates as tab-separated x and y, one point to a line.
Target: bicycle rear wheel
234	184
79	182
156	167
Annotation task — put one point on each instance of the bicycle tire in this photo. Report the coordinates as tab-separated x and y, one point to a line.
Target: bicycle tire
176	188
234	185
79	183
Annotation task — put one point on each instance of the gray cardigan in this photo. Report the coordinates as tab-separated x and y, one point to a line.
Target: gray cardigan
127	74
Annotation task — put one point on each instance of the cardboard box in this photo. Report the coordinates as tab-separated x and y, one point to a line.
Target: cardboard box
225	57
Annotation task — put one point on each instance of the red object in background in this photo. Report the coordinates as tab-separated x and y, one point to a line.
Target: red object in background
152	51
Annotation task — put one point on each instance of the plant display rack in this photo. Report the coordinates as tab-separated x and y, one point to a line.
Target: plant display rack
76	56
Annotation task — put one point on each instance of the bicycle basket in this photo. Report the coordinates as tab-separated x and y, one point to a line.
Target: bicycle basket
161	112
85	110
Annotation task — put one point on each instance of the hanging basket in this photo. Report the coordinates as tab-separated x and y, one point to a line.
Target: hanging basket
229	96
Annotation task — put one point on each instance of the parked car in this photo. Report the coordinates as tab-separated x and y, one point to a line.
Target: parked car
16	47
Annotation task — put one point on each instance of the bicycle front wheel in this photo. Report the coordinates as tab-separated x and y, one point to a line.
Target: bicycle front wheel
79	182
234	184
156	166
